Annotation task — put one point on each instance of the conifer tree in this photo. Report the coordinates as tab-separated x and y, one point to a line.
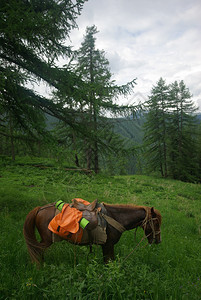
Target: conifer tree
170	128
156	128
198	140
182	127
31	40
96	98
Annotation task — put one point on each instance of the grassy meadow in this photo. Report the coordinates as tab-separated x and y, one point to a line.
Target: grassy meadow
171	270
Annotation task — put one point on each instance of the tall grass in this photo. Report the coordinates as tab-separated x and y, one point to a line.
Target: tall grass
170	270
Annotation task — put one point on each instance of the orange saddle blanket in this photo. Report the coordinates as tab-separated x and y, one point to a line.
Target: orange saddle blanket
66	223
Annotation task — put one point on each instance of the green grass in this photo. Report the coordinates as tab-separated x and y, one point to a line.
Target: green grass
170	270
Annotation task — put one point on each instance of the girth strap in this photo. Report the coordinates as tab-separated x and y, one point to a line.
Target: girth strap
114	223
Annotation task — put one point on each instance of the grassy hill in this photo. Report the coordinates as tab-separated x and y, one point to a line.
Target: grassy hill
170	270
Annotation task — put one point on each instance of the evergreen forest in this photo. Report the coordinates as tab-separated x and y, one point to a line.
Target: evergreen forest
80	125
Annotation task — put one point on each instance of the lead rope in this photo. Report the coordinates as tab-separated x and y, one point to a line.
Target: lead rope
144	223
142	239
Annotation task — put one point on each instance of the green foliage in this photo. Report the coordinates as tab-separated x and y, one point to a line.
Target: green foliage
170	127
91	105
170	270
32	38
182	133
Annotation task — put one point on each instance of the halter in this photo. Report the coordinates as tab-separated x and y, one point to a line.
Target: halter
149	221
146	221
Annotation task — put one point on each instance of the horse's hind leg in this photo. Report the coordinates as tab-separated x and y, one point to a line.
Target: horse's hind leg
42	222
108	252
46	241
46	237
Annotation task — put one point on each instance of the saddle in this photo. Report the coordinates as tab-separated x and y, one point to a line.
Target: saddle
90	212
97	216
68	222
95	212
95	231
76	203
95	222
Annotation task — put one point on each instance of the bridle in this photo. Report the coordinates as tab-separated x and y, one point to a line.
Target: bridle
150	221
146	221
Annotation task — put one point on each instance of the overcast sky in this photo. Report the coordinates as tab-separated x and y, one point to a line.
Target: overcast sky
147	39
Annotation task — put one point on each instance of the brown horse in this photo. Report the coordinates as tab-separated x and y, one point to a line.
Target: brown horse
127	215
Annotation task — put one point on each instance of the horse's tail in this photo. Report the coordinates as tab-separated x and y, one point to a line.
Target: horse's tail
35	248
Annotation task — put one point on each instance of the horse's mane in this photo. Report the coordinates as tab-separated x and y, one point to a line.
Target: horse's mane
129	206
133	206
124	205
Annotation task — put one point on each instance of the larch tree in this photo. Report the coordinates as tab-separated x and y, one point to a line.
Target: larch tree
96	98
182	128
170	127
155	137
31	40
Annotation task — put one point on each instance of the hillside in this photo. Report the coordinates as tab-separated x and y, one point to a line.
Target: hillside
132	129
129	129
170	270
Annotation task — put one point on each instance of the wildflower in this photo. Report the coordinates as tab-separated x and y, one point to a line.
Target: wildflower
29	283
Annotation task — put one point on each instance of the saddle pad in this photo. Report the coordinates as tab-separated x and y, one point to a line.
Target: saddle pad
97	236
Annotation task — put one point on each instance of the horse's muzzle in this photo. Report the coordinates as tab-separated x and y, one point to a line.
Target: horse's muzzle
154	241
158	242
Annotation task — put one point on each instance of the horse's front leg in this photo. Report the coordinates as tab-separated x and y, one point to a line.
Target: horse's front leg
108	252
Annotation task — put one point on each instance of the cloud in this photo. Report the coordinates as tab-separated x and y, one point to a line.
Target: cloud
147	39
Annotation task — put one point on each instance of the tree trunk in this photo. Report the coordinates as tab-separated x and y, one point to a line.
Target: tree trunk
94	114
12	138
77	160
75	149
165	159
88	155
96	162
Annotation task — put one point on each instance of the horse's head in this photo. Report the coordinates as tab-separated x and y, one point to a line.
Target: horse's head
151	226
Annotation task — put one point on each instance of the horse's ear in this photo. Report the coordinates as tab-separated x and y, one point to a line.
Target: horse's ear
153	212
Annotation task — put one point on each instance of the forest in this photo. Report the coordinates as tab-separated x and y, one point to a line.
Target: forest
81	123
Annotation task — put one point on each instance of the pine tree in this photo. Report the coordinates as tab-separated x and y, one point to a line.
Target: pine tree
156	128
32	38
182	128
170	128
198	143
96	98
93	69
